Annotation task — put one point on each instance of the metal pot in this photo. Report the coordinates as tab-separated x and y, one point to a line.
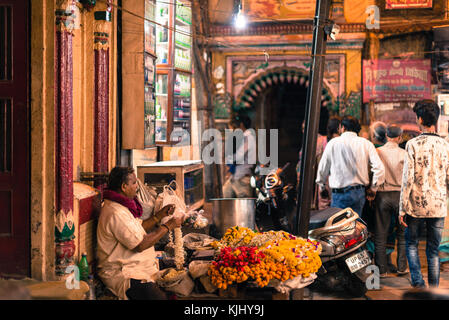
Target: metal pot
231	212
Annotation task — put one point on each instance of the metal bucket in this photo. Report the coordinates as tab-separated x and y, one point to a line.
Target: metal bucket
231	212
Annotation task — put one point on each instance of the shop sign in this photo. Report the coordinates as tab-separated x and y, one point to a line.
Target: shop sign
392	80
267	10
408	4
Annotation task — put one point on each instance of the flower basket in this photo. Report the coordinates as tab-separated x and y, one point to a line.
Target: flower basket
264	258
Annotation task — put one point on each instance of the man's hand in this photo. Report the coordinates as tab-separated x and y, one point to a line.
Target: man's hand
176	221
370	194
402	221
166	211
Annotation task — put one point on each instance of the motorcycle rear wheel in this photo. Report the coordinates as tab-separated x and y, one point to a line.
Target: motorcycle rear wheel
355	286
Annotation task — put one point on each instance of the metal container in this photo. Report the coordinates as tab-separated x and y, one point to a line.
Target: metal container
231	212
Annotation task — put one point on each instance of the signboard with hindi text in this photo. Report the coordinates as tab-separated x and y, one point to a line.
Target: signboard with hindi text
393	80
408	4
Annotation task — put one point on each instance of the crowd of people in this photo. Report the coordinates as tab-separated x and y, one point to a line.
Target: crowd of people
399	191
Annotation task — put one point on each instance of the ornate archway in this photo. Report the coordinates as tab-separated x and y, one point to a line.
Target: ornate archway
275	99
281	75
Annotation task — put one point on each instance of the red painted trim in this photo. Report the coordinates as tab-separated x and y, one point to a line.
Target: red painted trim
63	141
64	121
101	122
89	208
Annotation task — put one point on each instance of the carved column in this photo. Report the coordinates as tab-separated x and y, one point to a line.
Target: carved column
64	230
101	122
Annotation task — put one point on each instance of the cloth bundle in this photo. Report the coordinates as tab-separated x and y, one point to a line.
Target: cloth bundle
176	281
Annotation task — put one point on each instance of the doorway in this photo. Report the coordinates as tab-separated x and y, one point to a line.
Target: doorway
282	106
14	139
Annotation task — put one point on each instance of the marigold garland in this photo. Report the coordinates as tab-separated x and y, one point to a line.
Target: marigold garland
260	257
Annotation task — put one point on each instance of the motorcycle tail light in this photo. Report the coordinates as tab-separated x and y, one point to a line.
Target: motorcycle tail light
350	243
340	242
358	236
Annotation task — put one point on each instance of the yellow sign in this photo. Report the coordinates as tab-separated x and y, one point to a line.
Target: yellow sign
269	10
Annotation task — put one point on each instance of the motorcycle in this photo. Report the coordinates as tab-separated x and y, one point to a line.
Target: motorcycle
341	232
275	202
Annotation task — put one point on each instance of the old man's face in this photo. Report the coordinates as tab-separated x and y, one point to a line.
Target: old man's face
130	187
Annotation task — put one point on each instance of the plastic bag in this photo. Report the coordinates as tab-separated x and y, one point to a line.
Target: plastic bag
199	268
147	197
172	196
178	282
196	219
195	241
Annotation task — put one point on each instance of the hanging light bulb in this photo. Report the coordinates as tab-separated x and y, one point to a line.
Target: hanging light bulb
240	19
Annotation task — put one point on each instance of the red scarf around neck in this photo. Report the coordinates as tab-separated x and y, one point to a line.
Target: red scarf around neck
133	205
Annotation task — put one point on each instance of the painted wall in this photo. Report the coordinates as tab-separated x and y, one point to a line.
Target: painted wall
43	114
42	140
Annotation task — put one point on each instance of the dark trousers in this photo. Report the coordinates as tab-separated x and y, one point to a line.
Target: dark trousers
387	205
145	291
433	239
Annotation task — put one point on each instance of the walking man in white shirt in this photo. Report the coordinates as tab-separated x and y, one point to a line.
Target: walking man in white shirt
347	161
387	201
424	192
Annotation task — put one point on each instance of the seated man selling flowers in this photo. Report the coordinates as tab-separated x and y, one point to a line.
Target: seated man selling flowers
126	256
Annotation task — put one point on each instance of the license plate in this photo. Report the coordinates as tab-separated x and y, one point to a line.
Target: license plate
358	261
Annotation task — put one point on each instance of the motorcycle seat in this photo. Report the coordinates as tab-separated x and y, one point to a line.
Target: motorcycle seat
318	218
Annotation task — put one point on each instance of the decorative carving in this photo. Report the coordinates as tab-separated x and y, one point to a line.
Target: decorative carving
222	105
250	75
65	246
66	15
351	104
64	256
280	28
64	227
102	29
337	11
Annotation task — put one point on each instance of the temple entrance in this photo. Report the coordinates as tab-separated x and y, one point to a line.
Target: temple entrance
281	106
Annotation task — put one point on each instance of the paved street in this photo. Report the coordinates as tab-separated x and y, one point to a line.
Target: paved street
392	287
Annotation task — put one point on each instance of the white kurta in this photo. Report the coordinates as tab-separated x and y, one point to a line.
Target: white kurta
119	232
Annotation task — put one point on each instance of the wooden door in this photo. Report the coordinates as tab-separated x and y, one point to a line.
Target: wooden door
14	138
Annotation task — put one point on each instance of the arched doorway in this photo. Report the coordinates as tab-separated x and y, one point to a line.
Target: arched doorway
276	100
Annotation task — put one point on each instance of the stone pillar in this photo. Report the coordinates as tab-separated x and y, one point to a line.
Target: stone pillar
64	227
101	111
